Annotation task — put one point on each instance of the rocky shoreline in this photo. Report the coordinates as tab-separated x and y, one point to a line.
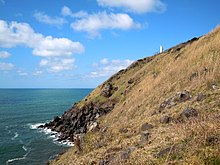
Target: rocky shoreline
78	120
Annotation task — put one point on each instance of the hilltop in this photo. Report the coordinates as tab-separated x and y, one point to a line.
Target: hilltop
163	109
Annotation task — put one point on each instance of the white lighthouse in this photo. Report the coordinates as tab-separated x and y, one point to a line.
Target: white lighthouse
161	48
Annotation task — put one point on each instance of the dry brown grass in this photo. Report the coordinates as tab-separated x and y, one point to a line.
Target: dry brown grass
196	141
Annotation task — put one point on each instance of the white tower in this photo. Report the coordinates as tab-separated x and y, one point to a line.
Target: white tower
161	48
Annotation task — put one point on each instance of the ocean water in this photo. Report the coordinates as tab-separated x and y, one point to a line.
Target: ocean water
21	111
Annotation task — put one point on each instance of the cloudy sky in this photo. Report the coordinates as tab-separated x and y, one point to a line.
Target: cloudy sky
79	44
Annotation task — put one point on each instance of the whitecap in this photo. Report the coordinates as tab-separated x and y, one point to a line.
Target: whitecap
70	144
35	126
52	135
67	143
48	131
24	148
56	136
17	159
15	136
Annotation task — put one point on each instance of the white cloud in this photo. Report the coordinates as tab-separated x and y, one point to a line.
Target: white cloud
104	61
6	66
137	6
49	47
65	11
54	65
44	62
4	54
93	23
13	34
106	68
43	18
22	73
37	72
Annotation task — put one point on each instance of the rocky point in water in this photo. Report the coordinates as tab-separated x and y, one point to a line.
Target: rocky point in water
78	120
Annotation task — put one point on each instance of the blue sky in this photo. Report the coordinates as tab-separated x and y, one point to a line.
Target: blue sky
79	44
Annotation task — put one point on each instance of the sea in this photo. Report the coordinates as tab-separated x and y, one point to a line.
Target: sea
21	112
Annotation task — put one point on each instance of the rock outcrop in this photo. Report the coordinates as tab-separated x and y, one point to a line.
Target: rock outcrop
165	119
78	120
177	98
188	112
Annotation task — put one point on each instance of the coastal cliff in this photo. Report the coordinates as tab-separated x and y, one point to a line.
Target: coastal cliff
163	109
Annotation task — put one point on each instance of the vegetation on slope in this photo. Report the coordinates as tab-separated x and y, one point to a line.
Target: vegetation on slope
166	110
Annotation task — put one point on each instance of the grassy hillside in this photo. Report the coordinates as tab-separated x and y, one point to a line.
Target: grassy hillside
167	110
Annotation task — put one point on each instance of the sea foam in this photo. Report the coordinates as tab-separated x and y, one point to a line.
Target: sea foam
35	126
15	136
17	159
24	148
52	134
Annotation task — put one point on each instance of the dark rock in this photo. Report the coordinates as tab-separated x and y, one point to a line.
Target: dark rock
164	152
58	123
73	115
182	45
56	119
171	103
79	120
117	75
162	106
131	81
145	136
41	126
58	129
53	134
126	153
146	126
82	130
165	119
177	98
200	97
192	40
188	112
184	96
140	62
107	90
115	88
